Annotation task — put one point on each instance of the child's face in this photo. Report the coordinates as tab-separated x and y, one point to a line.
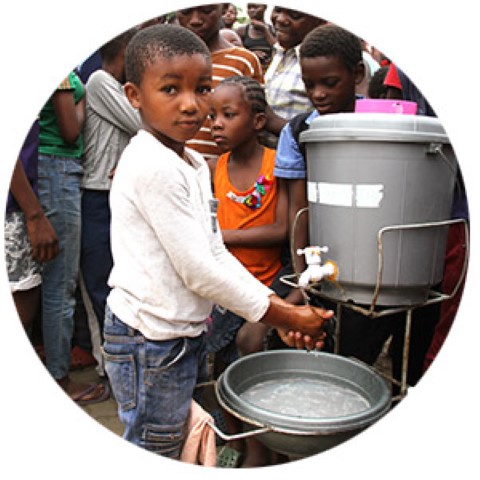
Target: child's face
232	121
173	97
329	84
230	15
204	21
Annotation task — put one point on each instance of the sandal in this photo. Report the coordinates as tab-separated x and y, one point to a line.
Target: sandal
228	457
93	393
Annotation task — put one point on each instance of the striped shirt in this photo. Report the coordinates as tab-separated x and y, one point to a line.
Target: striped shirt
284	86
226	63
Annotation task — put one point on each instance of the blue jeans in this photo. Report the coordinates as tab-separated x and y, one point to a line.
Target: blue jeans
96	257
59	193
153	383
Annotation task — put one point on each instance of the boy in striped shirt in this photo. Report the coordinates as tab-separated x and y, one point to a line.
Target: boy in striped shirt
228	60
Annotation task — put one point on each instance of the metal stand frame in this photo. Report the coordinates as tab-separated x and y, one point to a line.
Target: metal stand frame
372	311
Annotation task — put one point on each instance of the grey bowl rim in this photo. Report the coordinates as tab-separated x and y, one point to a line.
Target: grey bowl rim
244	411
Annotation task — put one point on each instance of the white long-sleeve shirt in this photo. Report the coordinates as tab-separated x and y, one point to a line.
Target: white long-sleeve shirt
170	263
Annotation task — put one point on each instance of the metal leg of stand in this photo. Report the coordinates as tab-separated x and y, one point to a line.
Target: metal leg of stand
338	329
406	350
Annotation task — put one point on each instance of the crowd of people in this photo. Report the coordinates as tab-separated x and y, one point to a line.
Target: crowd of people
158	188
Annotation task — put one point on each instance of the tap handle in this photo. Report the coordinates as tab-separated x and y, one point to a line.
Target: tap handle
308	250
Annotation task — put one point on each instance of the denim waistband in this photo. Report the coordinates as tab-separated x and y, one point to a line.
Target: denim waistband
118	331
59	157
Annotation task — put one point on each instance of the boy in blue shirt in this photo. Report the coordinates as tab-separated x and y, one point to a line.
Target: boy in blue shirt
331	65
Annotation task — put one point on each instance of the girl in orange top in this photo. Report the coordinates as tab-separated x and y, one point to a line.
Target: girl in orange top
252	214
252	208
241	209
252	203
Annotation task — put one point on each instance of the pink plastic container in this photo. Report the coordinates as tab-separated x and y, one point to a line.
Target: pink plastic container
375	105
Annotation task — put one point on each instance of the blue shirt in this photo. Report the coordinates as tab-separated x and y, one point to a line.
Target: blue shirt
289	161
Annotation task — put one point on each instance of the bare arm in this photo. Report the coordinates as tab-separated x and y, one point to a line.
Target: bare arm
265	235
298	326
262	26
275	123
70	117
40	232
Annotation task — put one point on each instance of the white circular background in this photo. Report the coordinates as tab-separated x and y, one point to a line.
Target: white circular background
429	434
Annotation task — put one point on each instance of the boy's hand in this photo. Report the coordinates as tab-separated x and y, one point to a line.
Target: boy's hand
300	341
306	322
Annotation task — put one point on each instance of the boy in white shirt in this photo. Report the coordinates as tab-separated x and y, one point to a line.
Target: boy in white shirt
170	264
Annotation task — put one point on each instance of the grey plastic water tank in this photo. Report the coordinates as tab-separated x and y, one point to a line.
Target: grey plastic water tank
368	171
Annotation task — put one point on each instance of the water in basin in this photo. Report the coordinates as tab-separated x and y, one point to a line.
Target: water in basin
305	397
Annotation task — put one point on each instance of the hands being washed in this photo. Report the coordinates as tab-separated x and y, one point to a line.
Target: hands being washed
299	326
300	341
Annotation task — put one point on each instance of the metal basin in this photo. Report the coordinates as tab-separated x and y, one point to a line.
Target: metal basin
303	432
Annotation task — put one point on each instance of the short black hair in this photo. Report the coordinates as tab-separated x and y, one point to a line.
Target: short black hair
254	92
332	41
112	48
376	87
163	40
